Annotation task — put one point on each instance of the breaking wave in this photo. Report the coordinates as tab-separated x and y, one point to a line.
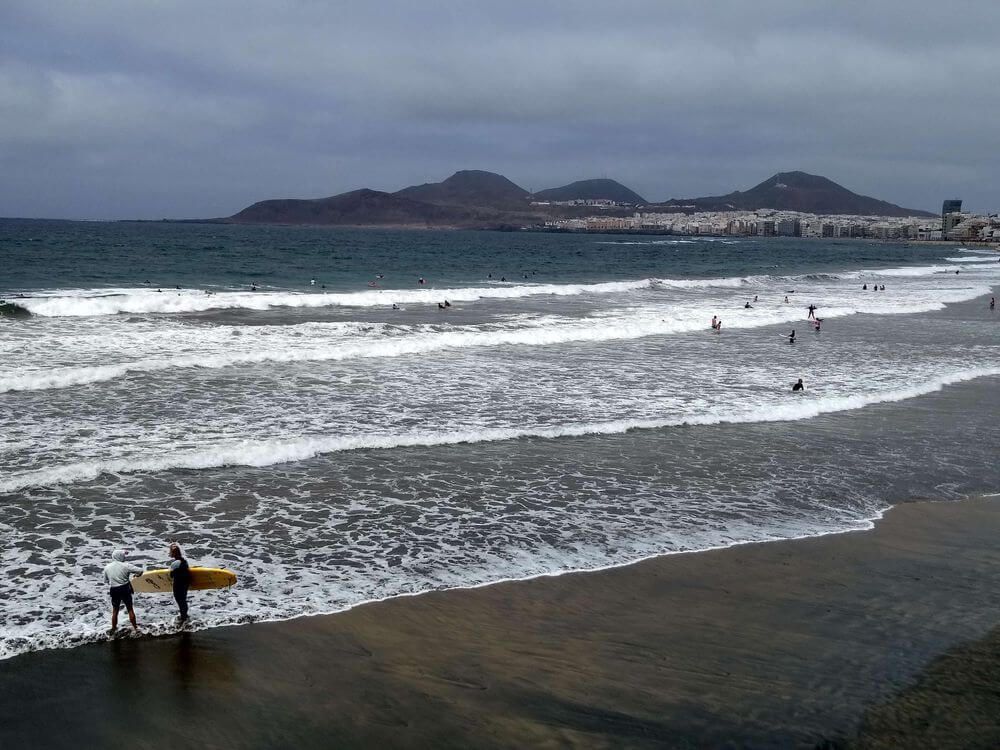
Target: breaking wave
258	453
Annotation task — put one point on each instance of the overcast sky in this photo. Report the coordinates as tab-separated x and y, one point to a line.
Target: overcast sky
177	108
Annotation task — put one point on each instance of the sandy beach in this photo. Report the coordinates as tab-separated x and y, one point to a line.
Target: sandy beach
781	644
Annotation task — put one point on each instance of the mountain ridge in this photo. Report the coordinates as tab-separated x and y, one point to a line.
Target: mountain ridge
477	199
798	191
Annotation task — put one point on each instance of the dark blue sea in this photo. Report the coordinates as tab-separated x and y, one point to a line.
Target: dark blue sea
345	415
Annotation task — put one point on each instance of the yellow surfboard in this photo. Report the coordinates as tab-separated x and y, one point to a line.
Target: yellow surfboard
158	581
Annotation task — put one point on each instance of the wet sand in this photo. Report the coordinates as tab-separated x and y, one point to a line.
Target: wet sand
782	644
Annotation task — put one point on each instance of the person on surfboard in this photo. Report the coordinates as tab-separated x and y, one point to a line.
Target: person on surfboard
117	574
180	577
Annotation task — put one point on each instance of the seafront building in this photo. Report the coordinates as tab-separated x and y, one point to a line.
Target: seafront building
953	224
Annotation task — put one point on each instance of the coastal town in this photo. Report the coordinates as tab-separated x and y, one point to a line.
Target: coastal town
952	225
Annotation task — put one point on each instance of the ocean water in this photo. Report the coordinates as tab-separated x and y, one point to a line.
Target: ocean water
570	409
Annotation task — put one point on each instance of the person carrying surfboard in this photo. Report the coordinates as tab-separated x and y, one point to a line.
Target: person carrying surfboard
180	578
117	574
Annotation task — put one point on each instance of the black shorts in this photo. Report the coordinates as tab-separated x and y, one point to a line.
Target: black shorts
121	595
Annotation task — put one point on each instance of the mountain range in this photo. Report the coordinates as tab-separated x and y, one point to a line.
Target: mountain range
485	200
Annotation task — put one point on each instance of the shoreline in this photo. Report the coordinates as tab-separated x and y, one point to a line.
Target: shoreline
775	644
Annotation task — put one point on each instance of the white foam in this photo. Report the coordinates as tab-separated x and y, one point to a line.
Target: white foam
259	453
139	301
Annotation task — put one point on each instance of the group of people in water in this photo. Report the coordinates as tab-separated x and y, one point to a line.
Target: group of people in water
810	316
118	576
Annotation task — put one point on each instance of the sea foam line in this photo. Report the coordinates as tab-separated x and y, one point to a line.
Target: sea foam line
605	329
140	301
260	453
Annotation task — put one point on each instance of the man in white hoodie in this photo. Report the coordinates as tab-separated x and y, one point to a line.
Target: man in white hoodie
117	574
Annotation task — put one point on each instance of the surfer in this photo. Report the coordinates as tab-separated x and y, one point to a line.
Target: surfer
395	306
447	303
798	386
812	312
117	575
755	298
748	306
993	303
180	577
864	287
440	306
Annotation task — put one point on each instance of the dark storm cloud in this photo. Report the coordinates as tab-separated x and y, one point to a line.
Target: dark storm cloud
117	108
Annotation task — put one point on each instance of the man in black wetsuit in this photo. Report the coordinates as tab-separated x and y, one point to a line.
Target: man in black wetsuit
798	386
180	577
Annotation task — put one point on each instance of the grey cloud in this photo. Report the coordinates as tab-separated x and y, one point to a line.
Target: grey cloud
115	108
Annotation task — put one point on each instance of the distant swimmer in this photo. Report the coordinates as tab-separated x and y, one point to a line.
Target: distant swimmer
812	312
755	298
395	306
253	287
748	306
440	306
118	574
503	278
421	280
882	288
489	276
146	282
178	286
312	282
816	324
956	273
993	303
447	303
786	298
718	326
791	337
380	276
864	287
714	320
798	386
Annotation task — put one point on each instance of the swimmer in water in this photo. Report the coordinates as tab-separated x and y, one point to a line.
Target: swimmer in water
440	306
312	282
447	303
395	306
714	319
816	324
748	306
864	287
755	298
421	280
798	386
791	337
786	298
718	326
993	303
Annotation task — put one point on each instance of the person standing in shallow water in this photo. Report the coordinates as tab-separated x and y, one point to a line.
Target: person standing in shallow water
117	574
180	577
